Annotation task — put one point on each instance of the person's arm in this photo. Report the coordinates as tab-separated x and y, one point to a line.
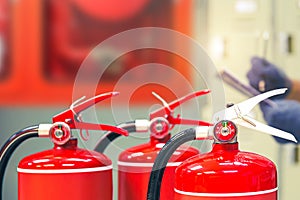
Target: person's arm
264	73
284	115
294	93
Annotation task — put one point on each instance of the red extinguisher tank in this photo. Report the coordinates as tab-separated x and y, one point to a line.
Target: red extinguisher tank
65	171
226	173
135	166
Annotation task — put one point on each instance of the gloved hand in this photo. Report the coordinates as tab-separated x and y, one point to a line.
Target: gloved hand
285	115
273	77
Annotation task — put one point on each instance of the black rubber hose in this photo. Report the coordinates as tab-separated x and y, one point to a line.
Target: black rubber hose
10	146
162	159
111	136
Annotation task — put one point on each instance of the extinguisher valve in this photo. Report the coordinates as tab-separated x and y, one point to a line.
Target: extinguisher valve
163	119
159	127
72	116
60	133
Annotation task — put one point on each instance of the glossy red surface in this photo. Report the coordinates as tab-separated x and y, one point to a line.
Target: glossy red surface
134	171
67	156
72	186
65	172
270	196
226	169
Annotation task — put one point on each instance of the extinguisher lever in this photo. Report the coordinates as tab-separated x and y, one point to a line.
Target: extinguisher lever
106	127
168	109
238	114
243	108
72	116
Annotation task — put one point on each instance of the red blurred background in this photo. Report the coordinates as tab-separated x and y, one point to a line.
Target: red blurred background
43	44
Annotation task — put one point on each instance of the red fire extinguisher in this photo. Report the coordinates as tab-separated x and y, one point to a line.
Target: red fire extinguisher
65	171
135	163
225	172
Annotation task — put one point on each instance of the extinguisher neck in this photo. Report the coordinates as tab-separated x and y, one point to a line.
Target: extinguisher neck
226	147
155	140
71	144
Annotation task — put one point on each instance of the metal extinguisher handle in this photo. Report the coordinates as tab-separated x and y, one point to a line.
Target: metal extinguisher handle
168	109
160	121
223	131
238	114
72	116
60	130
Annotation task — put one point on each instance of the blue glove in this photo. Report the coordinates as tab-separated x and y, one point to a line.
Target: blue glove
285	115
274	78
